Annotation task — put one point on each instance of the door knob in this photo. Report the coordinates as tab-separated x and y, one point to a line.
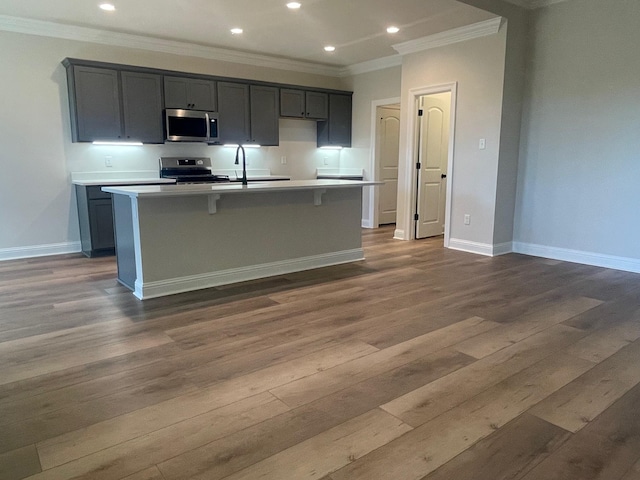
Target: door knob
444	175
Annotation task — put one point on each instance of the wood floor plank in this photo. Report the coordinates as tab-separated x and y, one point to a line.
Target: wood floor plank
578	403
484	345
330	450
66	459
148	474
226	456
146	420
19	463
607	448
435	398
424	449
506	454
331	380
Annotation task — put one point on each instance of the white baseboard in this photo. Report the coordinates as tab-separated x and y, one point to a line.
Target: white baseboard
626	264
39	250
471	247
366	223
234	275
502	248
399	235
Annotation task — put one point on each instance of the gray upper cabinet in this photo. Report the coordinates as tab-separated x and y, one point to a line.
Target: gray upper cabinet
190	93
142	107
94	97
114	105
336	131
264	103
316	105
233	113
303	104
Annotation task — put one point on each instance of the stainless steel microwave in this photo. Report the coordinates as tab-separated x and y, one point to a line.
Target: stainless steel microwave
191	126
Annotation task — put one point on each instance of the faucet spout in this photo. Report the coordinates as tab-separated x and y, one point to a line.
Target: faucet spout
244	163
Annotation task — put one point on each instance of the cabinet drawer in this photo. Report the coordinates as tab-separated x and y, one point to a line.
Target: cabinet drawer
96	193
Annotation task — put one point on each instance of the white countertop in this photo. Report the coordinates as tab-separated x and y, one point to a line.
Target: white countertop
233	188
131	181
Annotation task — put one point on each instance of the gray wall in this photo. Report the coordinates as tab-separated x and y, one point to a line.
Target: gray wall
579	173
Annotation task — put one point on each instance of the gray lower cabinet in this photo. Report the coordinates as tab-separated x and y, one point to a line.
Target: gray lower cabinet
190	93
336	130
113	105
248	114
96	221
303	104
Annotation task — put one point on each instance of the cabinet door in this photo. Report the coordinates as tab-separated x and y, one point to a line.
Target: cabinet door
233	112
336	131
316	105
175	92
97	102
142	107
201	95
190	93
264	115
101	224
292	103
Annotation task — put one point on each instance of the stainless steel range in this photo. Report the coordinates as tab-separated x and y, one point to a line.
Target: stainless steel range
189	170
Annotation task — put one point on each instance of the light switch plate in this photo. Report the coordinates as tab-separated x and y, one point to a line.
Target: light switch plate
482	144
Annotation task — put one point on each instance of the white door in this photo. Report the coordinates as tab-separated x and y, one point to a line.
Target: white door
433	153
388	138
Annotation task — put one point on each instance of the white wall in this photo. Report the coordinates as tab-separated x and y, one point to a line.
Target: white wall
578	185
37	205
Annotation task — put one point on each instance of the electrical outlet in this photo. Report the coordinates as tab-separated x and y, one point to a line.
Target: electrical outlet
467	219
108	161
283	160
482	144
326	160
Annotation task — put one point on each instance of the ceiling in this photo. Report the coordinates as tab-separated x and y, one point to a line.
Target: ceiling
357	28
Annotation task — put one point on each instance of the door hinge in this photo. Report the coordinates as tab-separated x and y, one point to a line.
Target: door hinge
415	217
420	112
418	165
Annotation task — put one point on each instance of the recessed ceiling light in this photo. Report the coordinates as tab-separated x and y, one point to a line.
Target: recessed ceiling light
294	5
236	31
393	30
329	48
107	6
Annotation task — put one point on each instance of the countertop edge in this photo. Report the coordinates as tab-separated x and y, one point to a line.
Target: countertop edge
209	189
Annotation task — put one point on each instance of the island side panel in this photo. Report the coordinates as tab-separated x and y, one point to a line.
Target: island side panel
179	238
125	239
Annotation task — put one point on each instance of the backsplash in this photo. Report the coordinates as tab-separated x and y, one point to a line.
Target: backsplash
297	147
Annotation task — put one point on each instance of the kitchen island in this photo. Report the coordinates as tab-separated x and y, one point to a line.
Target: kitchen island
177	238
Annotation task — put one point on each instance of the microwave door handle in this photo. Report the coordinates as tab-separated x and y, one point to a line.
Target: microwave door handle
208	126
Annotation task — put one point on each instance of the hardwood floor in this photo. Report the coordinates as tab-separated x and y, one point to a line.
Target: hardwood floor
418	363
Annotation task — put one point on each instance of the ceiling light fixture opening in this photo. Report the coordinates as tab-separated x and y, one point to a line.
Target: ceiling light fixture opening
108	7
236	31
294	5
393	30
329	48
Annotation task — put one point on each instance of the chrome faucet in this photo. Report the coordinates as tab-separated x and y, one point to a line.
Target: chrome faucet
244	163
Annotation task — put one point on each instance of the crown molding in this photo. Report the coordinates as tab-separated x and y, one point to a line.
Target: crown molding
455	35
372	65
93	35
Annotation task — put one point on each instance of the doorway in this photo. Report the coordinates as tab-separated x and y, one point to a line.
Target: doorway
432	147
387	155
